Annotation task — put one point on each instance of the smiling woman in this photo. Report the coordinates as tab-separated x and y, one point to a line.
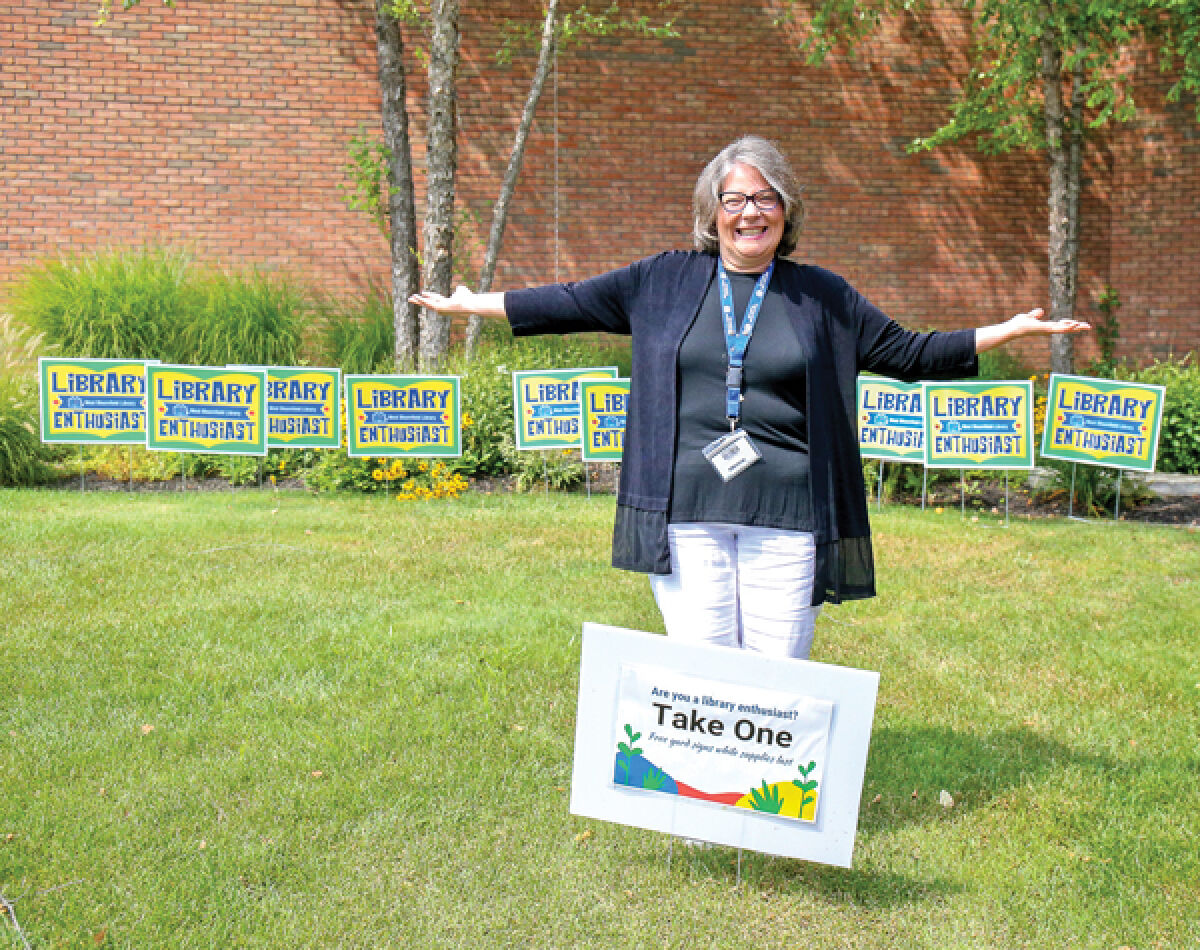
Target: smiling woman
741	490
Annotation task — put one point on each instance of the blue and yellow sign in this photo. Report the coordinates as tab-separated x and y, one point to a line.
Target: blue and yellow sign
207	409
979	424
88	402
403	416
304	408
603	404
1103	422
546	406
891	419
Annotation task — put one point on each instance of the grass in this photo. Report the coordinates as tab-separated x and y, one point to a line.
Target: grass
278	720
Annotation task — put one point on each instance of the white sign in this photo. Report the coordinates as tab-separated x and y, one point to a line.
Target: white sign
722	745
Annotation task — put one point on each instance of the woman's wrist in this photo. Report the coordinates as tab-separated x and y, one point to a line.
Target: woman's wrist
987	338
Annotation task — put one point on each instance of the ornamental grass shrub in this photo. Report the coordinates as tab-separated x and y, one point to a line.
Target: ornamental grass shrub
24	458
108	305
158	303
246	318
358	334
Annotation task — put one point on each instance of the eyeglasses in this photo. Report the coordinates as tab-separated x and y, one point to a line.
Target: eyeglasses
734	201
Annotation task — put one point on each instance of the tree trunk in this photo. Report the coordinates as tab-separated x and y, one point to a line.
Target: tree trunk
1059	200
402	213
1074	190
442	163
509	185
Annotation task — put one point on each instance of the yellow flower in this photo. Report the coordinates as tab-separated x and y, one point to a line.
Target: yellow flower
377	475
467	420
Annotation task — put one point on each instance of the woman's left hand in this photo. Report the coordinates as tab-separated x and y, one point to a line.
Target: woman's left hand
1024	324
1031	323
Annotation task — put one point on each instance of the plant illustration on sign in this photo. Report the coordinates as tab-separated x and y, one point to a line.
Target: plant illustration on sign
655	779
808	788
792	799
766	799
627	751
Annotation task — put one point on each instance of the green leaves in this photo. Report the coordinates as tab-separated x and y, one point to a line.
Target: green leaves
575	25
767	799
808	787
654	780
1002	99
105	9
630	749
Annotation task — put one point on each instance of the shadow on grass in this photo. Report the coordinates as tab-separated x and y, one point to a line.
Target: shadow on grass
975	769
910	765
784	877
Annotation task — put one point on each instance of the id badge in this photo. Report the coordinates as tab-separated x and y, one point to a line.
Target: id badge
731	454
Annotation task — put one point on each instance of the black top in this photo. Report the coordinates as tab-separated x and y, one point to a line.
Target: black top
774	491
840	331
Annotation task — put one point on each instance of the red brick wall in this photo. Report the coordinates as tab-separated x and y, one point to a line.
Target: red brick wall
220	126
223	126
1154	255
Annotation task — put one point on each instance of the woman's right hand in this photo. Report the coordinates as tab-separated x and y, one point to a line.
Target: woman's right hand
458	302
463	300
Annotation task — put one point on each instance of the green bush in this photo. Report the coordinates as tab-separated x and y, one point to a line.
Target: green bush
24	458
243	318
136	463
1179	440
333	470
156	303
360	335
1003	364
110	305
489	445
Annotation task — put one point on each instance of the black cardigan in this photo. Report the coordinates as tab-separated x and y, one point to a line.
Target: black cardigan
656	300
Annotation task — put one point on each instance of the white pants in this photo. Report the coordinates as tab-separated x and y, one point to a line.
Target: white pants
740	586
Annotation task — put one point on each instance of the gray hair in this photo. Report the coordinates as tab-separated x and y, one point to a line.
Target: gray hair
758	153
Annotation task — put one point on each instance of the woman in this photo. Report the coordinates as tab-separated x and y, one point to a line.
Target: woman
741	489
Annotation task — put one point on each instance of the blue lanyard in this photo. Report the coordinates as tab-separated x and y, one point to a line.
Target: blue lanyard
736	340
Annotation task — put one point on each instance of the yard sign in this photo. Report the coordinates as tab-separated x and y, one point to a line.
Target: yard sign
891	420
546	406
207	409
1103	422
602	409
722	745
304	408
89	402
979	424
403	416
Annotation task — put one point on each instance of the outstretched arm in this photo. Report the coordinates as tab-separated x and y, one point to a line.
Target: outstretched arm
1024	324
462	301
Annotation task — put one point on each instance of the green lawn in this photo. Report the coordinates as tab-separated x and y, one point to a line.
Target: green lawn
277	720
